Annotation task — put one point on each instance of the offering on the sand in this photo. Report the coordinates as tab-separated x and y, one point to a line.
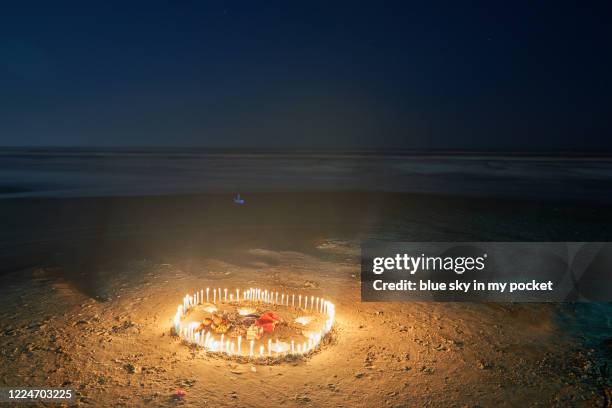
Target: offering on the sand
272	324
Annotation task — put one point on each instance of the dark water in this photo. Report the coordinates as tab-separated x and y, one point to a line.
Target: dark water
128	172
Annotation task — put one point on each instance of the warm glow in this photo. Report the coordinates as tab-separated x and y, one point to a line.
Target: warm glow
244	312
192	333
303	320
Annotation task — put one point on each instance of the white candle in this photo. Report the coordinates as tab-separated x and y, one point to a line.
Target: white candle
317	303
207	295
239	344
300	302
311	302
232	348
214	296
276	348
231	297
269	347
221	341
251	348
201	295
299	349
276	301
292	300
237	295
261	351
226	294
292	347
305	302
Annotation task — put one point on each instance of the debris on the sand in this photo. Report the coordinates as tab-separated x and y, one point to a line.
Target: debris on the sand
483	365
179	393
302	398
427	370
186	383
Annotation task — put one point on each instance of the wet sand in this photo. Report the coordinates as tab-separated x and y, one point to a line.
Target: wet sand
89	288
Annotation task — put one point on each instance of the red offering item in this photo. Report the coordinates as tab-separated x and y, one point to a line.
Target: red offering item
180	393
268	321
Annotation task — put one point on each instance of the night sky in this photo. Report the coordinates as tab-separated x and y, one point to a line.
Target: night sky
307	75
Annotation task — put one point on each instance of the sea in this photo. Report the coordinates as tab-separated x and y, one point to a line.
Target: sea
93	172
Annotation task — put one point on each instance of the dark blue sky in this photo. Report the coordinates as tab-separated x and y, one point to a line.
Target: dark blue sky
288	74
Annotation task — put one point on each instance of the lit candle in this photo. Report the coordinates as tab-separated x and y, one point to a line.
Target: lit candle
225	294
292	300
300	301
231	297
251	348
283	299
276	348
207	295
299	349
232	348
261	351
221	341
311	302
292	347
239	344
305	302
317	303
276	301
237	295
269	347
214	296
201	295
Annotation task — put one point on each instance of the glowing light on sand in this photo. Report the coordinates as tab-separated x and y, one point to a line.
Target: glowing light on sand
245	311
303	320
191	332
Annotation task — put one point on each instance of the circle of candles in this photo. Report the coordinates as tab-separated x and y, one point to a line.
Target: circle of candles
190	332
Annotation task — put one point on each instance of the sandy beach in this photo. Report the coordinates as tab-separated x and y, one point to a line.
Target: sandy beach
90	286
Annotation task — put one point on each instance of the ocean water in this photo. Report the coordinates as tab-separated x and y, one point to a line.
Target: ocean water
134	172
